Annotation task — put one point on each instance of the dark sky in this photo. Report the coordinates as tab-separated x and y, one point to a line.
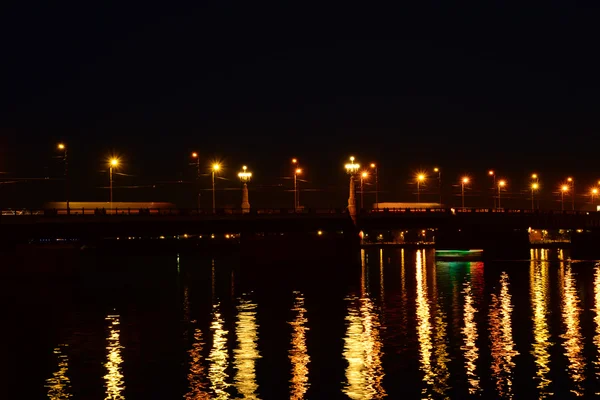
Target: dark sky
490	85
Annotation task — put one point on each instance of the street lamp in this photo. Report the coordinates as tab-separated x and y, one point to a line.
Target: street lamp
501	184
572	182
534	186
463	182
196	156
63	147
439	172
374	166
594	192
363	176
215	168
352	169
420	179
493	175
245	177
563	190
297	171
113	163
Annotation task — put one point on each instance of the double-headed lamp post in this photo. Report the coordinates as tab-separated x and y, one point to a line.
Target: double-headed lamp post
501	184
63	147
364	175
534	187
463	182
113	163
563	189
420	179
216	167
352	169
245	177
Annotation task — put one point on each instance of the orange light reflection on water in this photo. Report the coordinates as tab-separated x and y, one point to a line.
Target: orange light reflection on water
246	353
59	385
298	354
541	332
114	380
218	357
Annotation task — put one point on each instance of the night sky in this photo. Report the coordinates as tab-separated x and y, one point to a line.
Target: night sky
466	89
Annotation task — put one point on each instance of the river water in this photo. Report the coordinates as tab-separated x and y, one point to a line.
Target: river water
398	324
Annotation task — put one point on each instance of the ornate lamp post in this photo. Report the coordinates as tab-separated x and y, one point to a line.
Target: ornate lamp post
352	169
63	147
420	179
196	157
501	184
113	163
215	168
245	177
463	182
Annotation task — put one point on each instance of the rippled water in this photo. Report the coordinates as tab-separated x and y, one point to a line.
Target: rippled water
398	324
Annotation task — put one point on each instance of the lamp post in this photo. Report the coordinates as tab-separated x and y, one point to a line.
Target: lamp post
63	148
534	186
113	163
563	190
572	182
439	172
215	168
196	156
420	178
493	175
463	182
594	192
501	184
374	166
245	177
351	169
363	176
297	170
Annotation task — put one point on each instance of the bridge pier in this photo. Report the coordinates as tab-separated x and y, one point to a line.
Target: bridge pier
585	245
496	242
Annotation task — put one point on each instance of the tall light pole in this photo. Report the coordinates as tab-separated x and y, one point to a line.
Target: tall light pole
363	176
572	182
63	148
420	178
374	166
352	169
113	163
501	184
534	186
439	172
493	175
463	182
297	171
593	192
563	190
196	156
215	168
245	177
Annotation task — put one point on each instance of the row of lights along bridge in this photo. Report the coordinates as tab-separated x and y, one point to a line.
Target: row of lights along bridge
354	170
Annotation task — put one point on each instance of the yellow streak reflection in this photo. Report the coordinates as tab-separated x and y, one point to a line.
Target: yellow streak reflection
440	370
597	319
363	350
198	389
298	353
573	340
218	357
424	325
541	332
59	385
114	382
381	282
502	345
246	354
470	340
